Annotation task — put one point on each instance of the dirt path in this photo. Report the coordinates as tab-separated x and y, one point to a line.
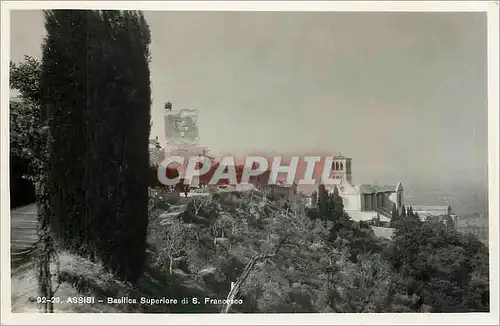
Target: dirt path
23	231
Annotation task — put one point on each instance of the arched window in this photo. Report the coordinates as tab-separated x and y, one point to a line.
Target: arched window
341	166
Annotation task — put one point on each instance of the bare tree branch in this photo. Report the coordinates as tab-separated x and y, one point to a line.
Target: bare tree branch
241	279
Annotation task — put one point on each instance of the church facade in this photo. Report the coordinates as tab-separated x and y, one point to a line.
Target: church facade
365	201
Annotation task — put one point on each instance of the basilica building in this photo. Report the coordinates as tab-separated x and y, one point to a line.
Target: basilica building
365	201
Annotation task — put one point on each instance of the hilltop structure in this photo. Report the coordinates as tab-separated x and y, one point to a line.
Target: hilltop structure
278	190
181	132
365	202
440	212
182	136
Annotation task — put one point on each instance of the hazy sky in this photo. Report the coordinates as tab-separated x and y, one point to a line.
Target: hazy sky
403	94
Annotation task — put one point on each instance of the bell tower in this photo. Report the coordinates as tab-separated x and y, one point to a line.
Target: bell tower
341	168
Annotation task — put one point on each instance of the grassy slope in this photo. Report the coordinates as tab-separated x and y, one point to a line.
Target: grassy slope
81	277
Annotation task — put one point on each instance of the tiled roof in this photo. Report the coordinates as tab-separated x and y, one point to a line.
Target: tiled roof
371	189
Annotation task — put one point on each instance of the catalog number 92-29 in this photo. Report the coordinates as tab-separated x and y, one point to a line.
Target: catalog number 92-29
78	300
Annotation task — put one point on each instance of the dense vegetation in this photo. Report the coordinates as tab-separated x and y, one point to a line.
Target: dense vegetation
82	131
28	144
24	134
447	270
322	263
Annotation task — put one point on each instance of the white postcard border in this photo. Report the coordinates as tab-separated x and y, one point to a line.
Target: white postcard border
492	9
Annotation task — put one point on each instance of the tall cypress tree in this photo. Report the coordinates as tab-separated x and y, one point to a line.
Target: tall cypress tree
338	204
410	212
323	204
63	96
403	211
314	199
394	215
96	87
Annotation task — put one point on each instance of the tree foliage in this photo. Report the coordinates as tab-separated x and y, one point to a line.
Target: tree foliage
410	213
343	268
28	140
446	270
95	89
403	211
329	207
25	124
394	215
